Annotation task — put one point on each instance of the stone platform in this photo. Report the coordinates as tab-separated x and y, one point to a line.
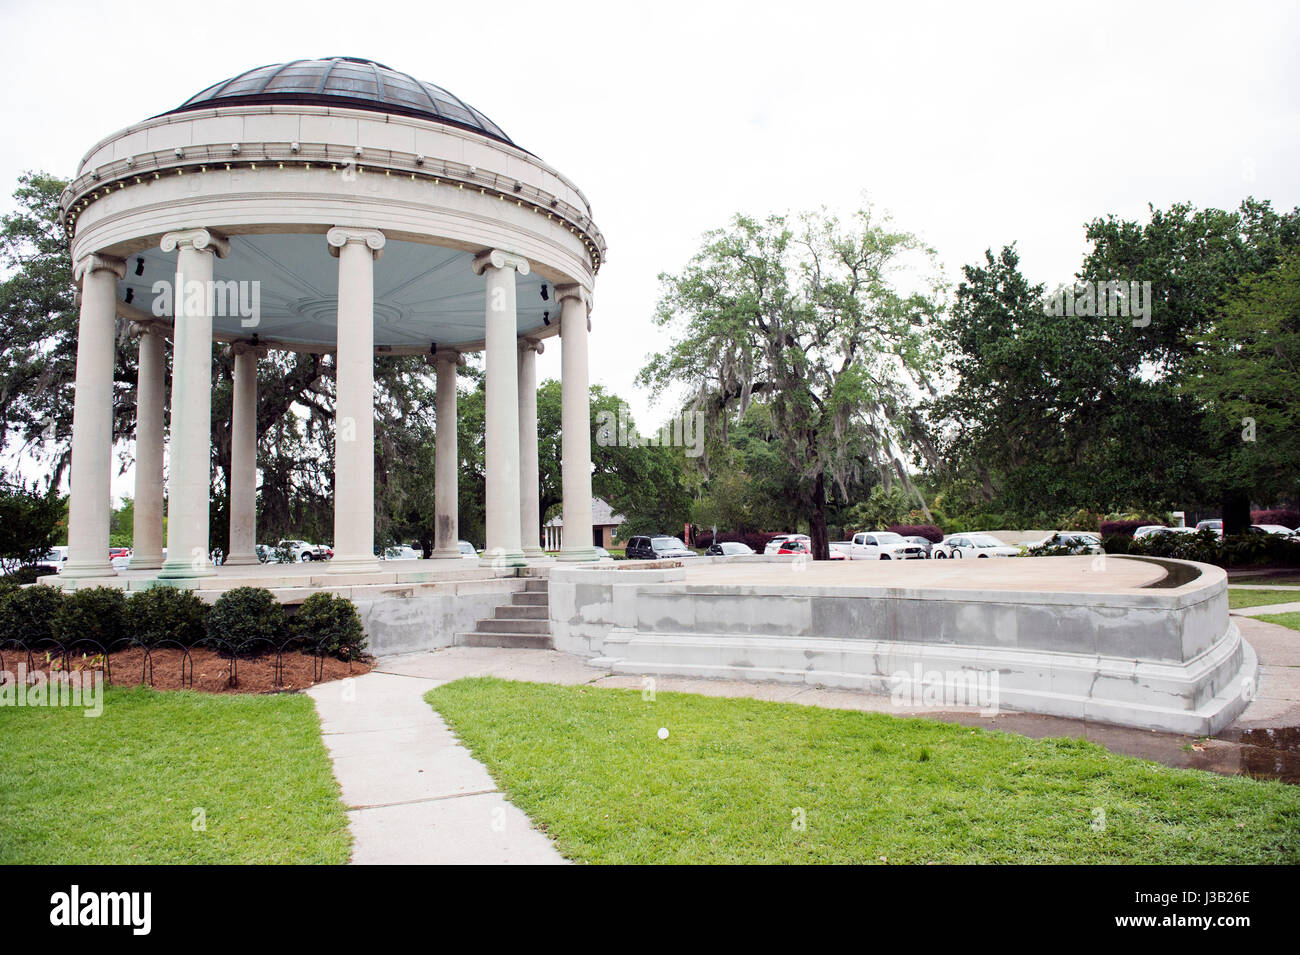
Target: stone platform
405	605
1121	640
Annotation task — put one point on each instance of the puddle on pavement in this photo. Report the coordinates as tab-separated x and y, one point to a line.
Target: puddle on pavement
1265	753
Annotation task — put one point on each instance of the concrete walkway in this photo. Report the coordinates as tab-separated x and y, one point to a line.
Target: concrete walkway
1291	607
414	794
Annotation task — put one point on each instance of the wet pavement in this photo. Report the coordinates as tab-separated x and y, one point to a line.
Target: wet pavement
1265	753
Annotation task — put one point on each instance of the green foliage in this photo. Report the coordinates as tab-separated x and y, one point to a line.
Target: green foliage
31	523
246	614
27	614
587	765
95	613
167	613
120	789
1246	372
1238	550
805	317
331	623
880	509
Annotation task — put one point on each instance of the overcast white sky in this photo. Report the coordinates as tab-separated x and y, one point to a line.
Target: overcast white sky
973	124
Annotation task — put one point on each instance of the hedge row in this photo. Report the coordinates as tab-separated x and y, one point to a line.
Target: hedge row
929	531
1240	550
1281	516
248	617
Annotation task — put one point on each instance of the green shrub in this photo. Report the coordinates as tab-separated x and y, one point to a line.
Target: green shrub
28	574
166	613
28	613
331	624
246	614
95	613
1116	543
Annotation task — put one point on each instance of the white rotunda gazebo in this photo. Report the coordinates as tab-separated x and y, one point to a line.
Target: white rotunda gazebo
330	205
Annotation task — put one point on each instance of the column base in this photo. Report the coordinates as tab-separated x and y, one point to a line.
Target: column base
446	555
82	570
240	560
185	570
535	553
353	565
578	554
501	559
146	562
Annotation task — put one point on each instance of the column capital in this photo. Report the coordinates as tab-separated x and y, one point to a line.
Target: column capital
497	259
200	240
573	291
96	262
244	348
531	344
340	236
139	329
446	355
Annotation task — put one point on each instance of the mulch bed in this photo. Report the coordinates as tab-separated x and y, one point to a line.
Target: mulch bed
212	671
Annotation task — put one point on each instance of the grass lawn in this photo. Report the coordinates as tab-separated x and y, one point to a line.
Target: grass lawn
1258	598
1291	620
735	776
123	787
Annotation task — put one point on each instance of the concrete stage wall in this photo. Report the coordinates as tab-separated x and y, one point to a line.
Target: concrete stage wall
1110	640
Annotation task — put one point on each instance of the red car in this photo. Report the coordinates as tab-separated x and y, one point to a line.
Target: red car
118	552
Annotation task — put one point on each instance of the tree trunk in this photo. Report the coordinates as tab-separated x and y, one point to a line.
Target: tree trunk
1236	512
821	548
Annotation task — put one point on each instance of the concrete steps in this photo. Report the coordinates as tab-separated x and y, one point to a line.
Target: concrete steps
523	623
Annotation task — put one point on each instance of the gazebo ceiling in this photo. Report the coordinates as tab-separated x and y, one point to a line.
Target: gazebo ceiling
424	294
344	81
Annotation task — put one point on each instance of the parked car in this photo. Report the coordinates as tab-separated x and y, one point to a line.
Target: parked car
602	553
402	552
1153	530
775	543
922	542
55	556
729	549
1215	525
657	547
467	551
973	545
840	549
883	545
1276	529
305	551
265	554
795	545
1076	542
118	552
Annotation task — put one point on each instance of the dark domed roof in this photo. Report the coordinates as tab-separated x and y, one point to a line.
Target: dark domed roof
345	81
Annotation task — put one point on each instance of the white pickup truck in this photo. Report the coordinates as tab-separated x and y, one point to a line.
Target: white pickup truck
880	545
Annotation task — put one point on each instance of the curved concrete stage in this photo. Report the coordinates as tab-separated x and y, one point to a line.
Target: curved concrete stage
1118	640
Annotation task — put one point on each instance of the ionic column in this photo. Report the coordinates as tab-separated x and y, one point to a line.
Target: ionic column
446	493
530	511
501	460
354	415
575	423
90	502
189	485
147	534
243	456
